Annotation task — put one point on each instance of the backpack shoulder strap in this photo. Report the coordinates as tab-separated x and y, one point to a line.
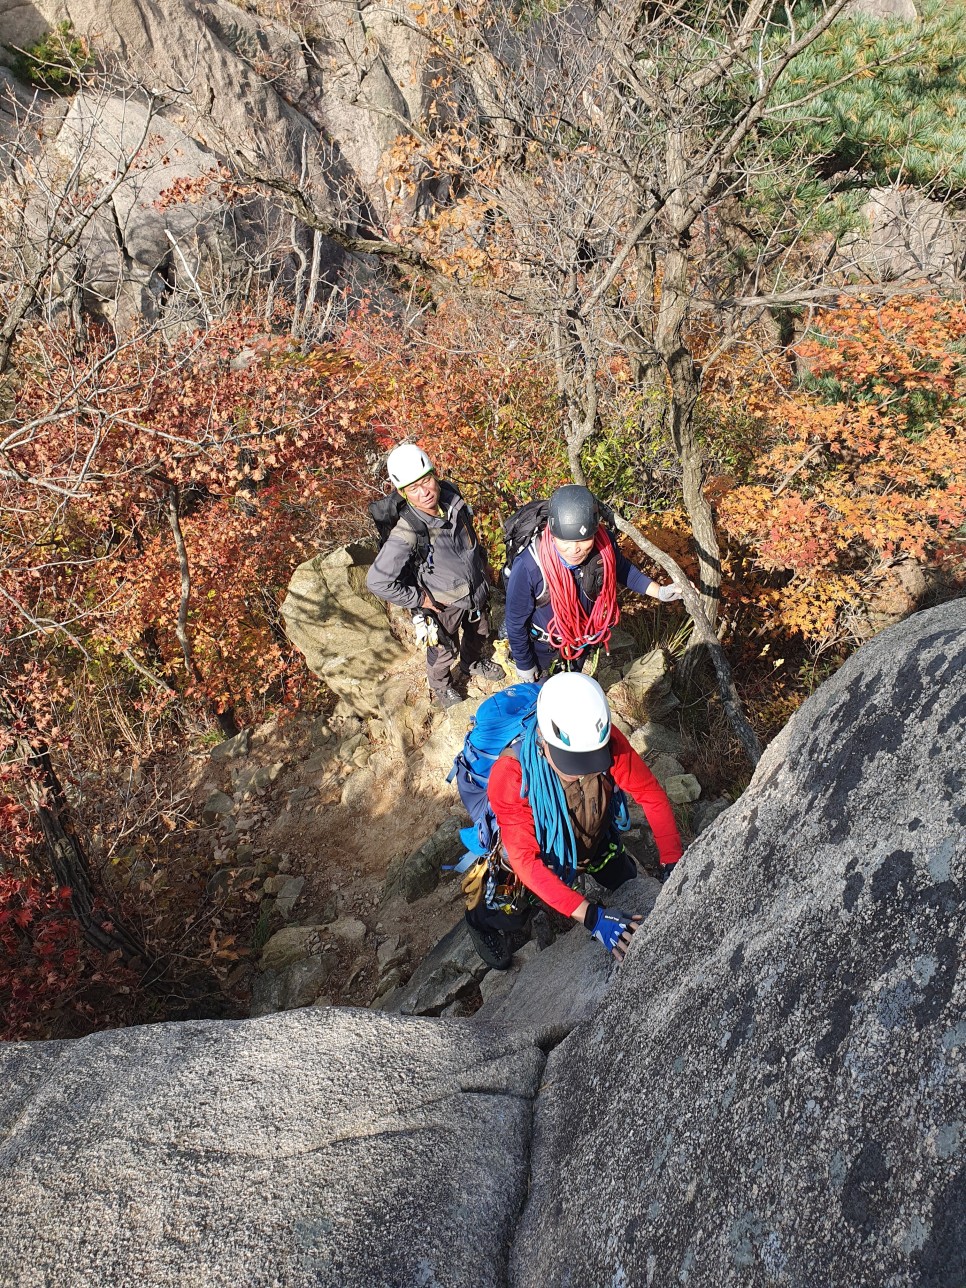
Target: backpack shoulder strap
410	528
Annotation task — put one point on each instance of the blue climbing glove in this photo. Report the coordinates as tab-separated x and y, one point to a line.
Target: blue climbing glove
608	924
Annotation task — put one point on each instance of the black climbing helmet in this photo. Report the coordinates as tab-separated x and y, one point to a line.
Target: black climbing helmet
574	513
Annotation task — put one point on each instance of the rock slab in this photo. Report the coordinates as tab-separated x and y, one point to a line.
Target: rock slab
324	1147
775	1093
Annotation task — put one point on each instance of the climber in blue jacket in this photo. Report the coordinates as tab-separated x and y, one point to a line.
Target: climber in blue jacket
561	599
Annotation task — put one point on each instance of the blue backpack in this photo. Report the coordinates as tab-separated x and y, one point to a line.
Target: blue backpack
500	721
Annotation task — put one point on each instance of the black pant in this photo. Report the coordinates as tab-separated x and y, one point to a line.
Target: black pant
614	873
550	661
459	637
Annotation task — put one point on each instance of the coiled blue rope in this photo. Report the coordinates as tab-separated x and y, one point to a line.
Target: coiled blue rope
552	822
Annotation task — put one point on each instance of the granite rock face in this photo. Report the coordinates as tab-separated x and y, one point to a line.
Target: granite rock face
323	1147
775	1093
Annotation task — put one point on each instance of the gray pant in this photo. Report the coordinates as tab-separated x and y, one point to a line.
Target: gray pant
458	637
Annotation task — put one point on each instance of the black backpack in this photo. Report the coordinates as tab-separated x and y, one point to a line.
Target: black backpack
520	529
385	513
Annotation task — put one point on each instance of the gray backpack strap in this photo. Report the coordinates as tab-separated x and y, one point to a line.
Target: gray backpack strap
418	536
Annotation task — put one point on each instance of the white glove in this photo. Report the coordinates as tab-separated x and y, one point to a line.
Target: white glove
426	630
669	594
528	676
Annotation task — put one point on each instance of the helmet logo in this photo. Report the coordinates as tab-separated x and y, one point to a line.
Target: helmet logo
559	733
603	728
583	529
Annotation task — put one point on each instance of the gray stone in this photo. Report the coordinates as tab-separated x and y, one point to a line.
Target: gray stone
387	984
644	694
451	971
887	10
318	763
321	733
288	895
779	1073
288	945
358	789
664	767
130	248
390	954
704	813
327	1146
907	236
298	984
350	746
497	984
215	807
416	875
682	789
652	737
350	929
257	779
228	880
233	747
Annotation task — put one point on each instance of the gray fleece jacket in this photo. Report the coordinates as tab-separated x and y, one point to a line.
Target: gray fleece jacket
454	570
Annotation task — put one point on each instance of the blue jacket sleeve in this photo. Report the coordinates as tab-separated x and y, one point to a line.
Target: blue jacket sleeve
521	598
629	576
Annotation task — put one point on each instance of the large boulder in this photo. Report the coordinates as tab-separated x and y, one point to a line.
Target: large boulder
222	89
907	237
343	631
322	1147
775	1092
141	257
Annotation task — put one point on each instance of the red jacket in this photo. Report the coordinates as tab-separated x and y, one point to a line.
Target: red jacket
520	840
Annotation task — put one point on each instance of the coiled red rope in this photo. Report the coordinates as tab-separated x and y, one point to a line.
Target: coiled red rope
570	629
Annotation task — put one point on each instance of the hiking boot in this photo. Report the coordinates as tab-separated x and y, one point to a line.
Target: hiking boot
447	697
485	670
492	946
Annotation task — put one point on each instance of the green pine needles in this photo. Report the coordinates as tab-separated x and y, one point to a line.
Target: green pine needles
55	62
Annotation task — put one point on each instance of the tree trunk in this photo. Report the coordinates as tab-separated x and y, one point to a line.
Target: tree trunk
225	719
704	631
71	868
684	375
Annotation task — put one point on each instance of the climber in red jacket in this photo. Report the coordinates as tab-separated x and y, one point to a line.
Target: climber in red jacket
554	796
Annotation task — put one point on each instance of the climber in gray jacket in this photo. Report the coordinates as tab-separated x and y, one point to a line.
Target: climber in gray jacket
433	562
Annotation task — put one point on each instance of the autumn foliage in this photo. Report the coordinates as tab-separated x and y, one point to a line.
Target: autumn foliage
863	464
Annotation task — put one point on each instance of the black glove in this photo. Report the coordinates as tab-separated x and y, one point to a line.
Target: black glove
665	870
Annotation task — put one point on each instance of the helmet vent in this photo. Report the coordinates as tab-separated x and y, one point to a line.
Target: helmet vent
559	733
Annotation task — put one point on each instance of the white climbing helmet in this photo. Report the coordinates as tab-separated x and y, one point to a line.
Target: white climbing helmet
574	720
407	463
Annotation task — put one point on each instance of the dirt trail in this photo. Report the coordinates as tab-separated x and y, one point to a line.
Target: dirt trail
307	823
